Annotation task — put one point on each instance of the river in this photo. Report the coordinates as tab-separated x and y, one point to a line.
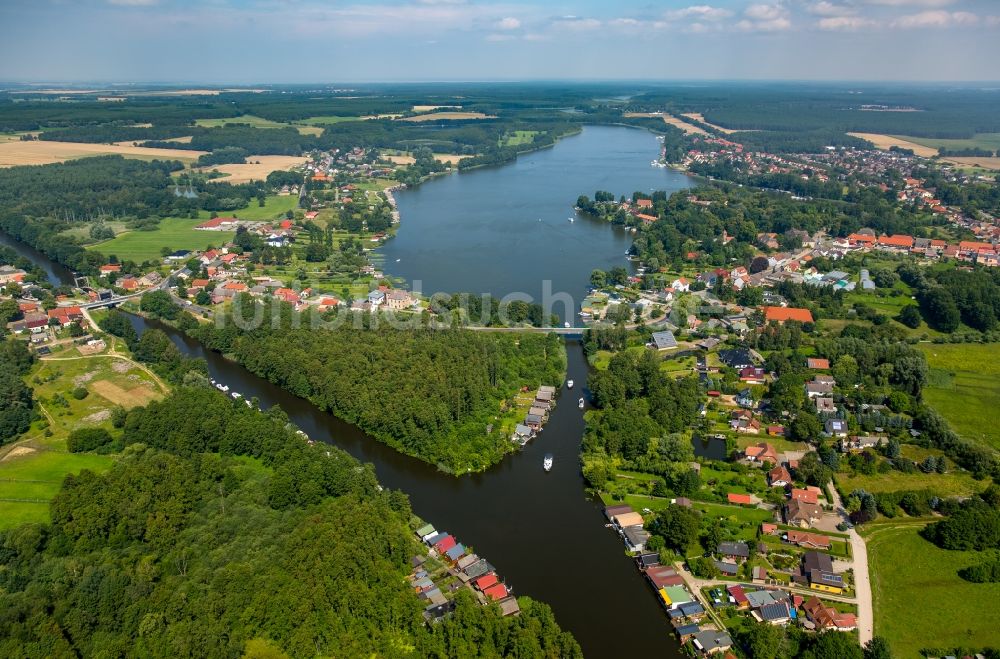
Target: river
543	534
506	229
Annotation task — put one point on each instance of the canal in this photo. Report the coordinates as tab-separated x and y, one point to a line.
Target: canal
543	534
506	229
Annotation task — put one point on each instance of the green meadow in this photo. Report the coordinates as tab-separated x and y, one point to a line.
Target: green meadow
988	141
964	387
919	599
173	233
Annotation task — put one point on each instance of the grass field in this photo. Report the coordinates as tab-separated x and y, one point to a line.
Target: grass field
328	119
949	484
920	601
42	152
988	141
964	387
173	232
518	137
256	122
884	142
32	472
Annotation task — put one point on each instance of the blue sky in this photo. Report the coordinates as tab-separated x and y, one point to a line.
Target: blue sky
246	41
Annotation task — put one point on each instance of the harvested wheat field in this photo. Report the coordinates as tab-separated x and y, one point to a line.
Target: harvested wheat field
41	152
449	158
699	117
884	142
256	169
127	398
673	121
431	108
448	116
975	161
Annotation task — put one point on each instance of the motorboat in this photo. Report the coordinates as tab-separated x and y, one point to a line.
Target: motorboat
582	403
566	325
569	384
547	462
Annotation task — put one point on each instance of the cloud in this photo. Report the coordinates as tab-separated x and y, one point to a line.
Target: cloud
826	8
576	23
764	18
508	23
935	19
911	3
698	12
845	23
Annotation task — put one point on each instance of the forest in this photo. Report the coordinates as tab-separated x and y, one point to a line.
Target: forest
39	204
431	393
17	406
219	532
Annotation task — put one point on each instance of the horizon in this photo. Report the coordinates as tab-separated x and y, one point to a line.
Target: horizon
302	41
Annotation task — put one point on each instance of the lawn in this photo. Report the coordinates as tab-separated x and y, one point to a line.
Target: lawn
328	119
173	233
518	137
964	387
272	208
920	601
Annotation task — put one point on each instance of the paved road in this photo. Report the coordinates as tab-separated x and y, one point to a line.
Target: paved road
862	579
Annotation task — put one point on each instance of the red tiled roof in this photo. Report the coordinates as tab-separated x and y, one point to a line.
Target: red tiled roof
741	499
896	241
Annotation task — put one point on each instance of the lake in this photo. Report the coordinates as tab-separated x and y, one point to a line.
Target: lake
544	535
505	229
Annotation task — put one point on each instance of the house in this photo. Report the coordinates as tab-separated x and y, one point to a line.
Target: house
509	607
767	528
612	511
802	513
827	617
727	568
814	389
219	224
711	642
804	495
398	300
856	444
779	477
752	375
736	551
533	421
635	537
745	398
784	314
759	574
376	298
806	539
818	570
836	428
624	520
179	255
109	268
497	592
761	453
743	421
664	340
681	285
776	613
825	405
739	499
738	358
65	315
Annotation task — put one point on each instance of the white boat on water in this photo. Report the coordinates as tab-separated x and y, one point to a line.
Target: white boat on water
570	219
547	462
582	403
221	387
566	325
569	384
236	395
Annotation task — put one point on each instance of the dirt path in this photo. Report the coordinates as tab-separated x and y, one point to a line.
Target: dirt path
862	575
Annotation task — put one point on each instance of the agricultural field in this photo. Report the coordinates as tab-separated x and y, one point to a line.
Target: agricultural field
988	141
173	232
256	122
690	129
964	387
328	119
699	117
32	470
920	601
884	142
256	168
43	152
447	116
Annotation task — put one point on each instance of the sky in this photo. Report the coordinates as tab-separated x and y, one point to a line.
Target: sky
329	41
